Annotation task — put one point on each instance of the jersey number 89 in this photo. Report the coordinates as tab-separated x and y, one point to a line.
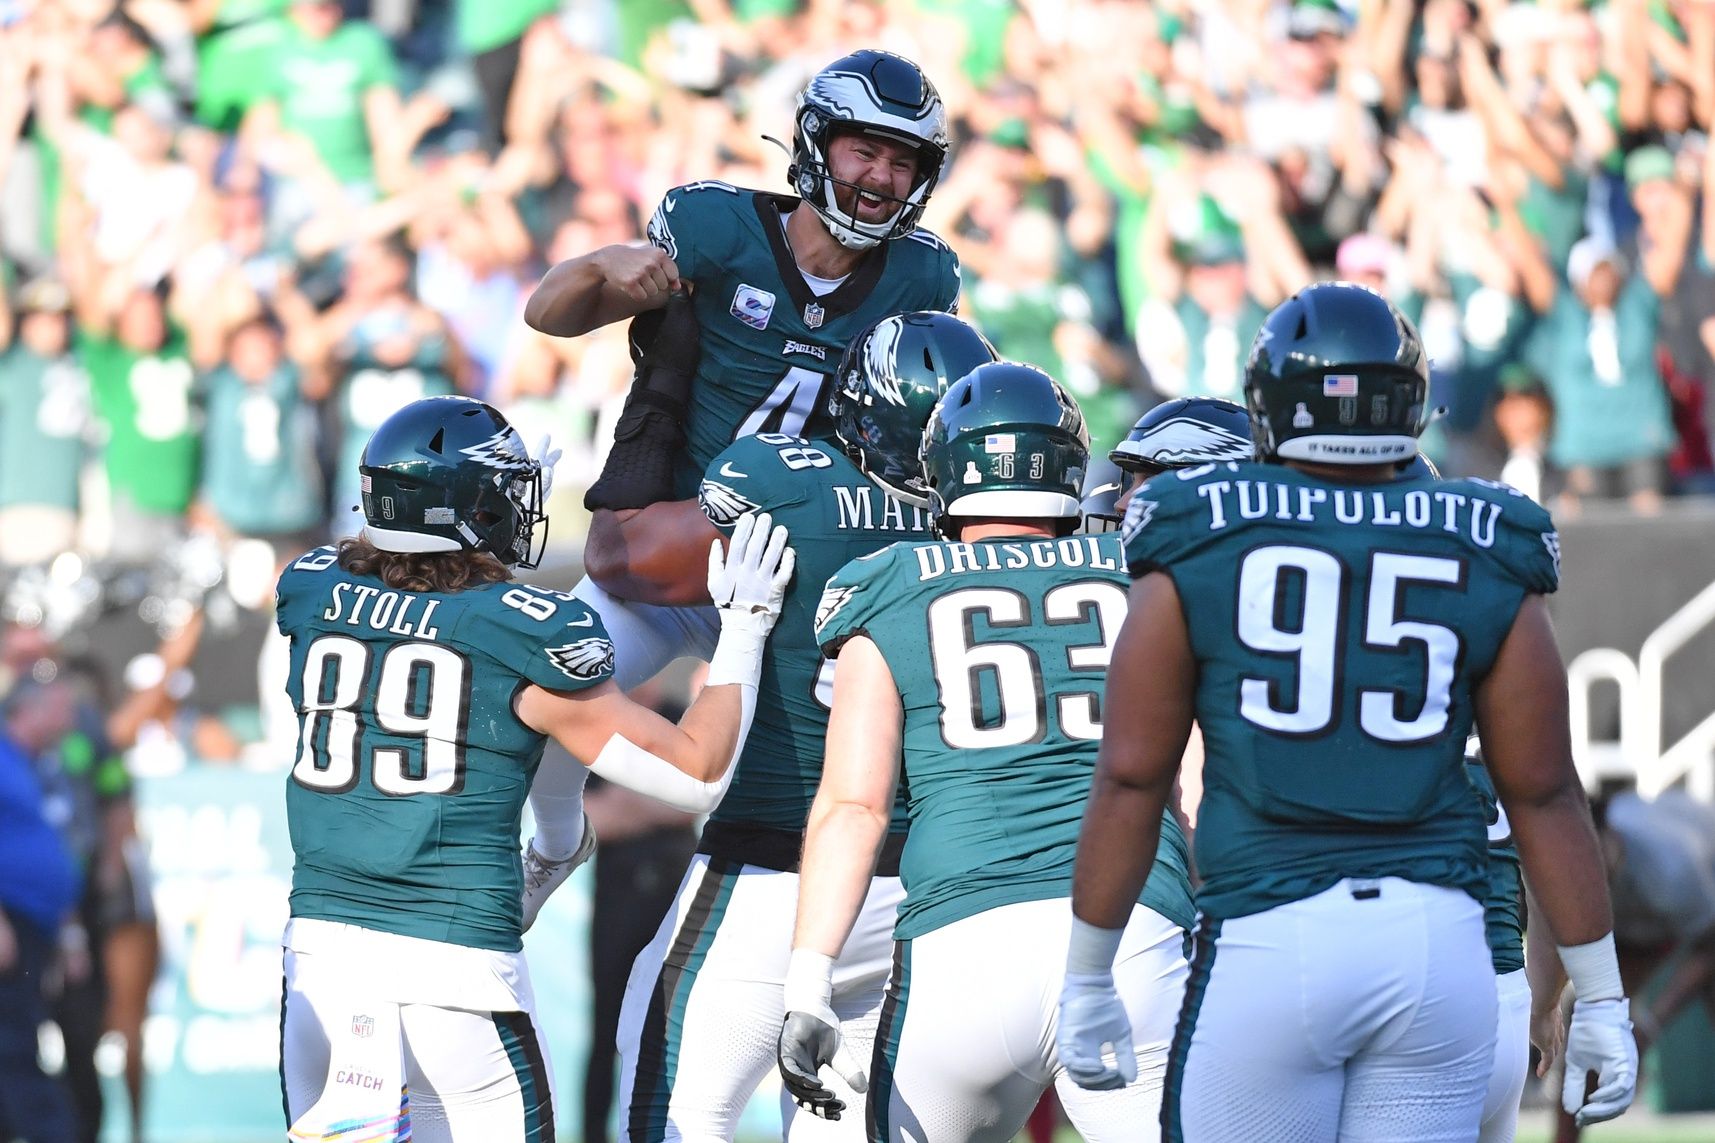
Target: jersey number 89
421	693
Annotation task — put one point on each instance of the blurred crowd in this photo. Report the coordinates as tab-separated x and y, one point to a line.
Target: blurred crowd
237	233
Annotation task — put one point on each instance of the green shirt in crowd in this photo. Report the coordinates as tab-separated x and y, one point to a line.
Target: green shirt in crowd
44	416
145	402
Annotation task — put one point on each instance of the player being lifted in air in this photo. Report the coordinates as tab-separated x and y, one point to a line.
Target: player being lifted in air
426	683
970	673
697	1033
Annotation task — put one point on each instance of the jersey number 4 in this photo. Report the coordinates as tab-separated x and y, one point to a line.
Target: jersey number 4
421	693
1013	669
1314	643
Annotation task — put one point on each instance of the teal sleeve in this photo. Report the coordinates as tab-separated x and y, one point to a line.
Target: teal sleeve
545	637
1527	545
763	473
1157	529
694	225
853	598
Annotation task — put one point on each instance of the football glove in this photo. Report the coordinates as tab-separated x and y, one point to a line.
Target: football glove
1093	1025
1600	1040
750	576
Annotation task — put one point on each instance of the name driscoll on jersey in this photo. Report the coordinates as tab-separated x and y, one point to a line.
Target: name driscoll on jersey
937	560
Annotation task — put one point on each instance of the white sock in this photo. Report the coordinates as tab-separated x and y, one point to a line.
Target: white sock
557	803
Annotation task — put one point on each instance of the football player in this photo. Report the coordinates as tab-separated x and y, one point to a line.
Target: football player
697	1034
1180	433
747	301
992	734
1334	632
426	683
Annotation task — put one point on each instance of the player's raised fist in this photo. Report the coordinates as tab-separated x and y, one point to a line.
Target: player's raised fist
644	273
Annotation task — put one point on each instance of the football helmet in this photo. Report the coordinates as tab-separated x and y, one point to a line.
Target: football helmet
1005	441
1184	432
448	474
1337	375
887	385
1101	508
873	93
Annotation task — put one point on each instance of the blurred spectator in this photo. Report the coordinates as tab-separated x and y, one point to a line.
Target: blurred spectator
388	349
1595	347
328	111
38	887
144	389
45	423
1524	417
259	471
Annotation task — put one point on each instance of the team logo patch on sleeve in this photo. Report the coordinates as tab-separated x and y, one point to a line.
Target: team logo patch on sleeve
1137	516
583	659
833	600
722	503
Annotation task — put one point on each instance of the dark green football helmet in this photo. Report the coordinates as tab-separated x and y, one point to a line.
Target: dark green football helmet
887	385
1005	442
448	474
1337	375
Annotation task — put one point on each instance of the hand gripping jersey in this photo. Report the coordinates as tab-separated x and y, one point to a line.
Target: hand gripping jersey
412	769
999	650
1339	631
1503	908
834	514
769	343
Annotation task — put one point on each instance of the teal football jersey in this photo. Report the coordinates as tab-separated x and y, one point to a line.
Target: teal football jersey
769	343
999	650
412	769
1503	908
834	514
1339	631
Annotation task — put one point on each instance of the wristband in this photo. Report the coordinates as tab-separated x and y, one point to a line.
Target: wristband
1593	969
1092	948
737	656
809	981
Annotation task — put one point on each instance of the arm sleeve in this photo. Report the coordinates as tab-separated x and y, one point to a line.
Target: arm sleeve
690	224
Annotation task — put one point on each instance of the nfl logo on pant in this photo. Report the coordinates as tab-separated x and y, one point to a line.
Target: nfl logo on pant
363	1026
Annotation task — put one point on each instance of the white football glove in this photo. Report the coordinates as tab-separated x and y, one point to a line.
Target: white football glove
750	576
545	454
1093	1027
1600	1040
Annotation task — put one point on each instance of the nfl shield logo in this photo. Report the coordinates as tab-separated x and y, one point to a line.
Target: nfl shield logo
363	1027
813	315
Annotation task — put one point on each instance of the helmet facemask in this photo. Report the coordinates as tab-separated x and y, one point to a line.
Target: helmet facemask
875	94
